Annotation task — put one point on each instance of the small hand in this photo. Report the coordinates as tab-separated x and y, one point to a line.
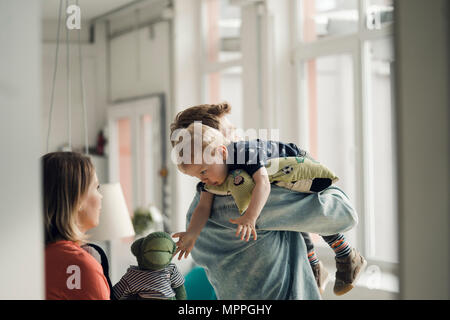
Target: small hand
185	243
246	226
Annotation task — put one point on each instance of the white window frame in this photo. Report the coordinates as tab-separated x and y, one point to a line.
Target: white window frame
357	45
207	67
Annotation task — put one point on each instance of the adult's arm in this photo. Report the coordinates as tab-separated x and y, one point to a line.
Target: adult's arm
327	212
275	266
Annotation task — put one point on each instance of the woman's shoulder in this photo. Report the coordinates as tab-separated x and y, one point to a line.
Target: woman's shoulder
65	250
64	247
69	267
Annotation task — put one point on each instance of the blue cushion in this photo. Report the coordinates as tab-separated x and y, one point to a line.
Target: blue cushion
197	285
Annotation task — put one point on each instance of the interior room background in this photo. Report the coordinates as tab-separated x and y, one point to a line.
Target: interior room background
323	72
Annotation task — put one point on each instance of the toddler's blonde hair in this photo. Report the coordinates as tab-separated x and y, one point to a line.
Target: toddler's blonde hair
196	138
208	114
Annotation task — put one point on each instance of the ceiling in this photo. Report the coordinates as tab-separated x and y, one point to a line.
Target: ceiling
89	8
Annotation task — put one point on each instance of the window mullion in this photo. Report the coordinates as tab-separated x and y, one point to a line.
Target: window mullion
384	32
364	32
362	9
366	234
213	67
325	47
359	145
367	151
135	159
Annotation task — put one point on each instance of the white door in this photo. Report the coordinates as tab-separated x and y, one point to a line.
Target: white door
136	151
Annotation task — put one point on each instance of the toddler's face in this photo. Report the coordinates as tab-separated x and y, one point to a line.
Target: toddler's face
210	174
213	170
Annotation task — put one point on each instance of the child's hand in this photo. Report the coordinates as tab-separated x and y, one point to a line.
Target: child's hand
185	243
246	226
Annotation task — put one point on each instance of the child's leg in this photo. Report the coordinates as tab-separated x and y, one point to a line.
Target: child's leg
349	263
313	260
339	244
320	273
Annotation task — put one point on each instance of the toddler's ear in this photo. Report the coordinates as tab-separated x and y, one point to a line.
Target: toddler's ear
222	151
136	247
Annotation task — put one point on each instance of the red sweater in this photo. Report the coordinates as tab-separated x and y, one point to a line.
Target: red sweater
71	273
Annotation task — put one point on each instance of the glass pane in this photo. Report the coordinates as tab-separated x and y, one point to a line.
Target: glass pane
226	86
379	13
325	18
147	177
125	160
222	31
329	96
384	211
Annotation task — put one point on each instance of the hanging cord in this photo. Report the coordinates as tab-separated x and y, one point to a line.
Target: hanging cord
69	88
52	97
83	101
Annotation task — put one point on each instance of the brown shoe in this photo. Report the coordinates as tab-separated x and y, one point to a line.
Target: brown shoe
348	270
321	275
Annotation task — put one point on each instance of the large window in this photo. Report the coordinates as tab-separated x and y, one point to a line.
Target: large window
222	25
226	85
222	63
124	157
320	19
344	57
329	98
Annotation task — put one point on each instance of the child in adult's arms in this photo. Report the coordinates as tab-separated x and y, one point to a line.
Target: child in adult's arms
349	262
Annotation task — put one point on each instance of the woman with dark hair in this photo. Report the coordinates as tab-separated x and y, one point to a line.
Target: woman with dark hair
72	206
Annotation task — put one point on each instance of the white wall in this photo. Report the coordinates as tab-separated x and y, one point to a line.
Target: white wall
21	226
422	103
95	97
140	62
95	84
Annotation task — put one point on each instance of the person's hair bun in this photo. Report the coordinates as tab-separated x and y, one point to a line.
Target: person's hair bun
220	109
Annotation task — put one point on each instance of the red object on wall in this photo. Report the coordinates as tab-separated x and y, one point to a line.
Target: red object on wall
101	142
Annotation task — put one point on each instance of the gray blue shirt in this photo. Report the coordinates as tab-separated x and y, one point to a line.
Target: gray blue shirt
276	265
